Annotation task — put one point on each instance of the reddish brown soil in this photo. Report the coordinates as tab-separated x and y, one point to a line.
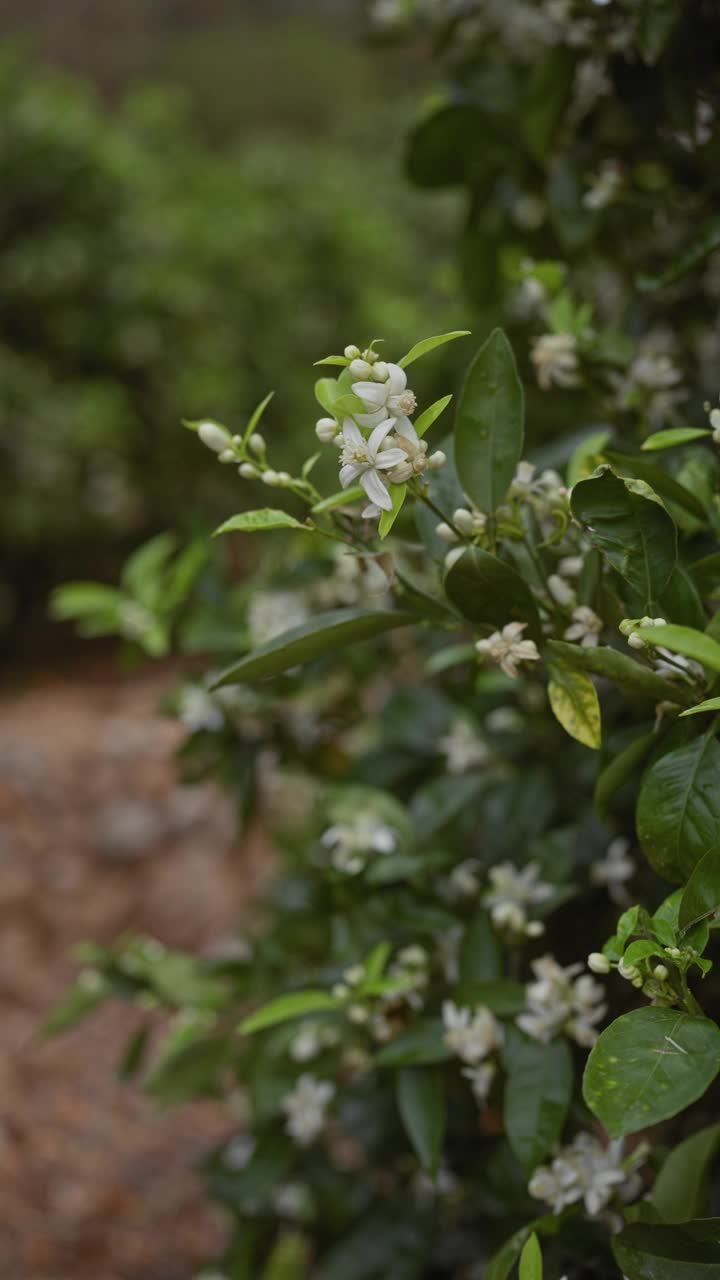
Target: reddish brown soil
97	837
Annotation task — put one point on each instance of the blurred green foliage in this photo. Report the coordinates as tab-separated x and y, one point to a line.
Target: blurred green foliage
146	277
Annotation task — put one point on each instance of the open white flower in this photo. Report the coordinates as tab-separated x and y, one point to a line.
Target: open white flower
462	747
559	1000
393	397
350	843
305	1108
471	1033
586	1170
512	892
507	648
555	358
614	869
363	460
586	627
481	1079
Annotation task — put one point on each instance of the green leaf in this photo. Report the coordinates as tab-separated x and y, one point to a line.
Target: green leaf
423	1045
343	498
673	436
421	1103
289	1258
480	958
488	590
431	415
574	702
710	704
489	425
142	571
443	149
256	416
538	1090
659	480
327	392
702	891
255	521
429	344
503	996
325	633
678	809
502	1262
617	772
654	1251
681	599
586	456
647	1066
398	494
635	533
687	641
82	599
706	242
341	361
293	1005
134	1053
531	1263
348	404
681	1189
630	677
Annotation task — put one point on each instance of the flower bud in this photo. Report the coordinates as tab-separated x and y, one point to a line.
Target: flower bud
453	556
560	591
400	473
628	971
627	626
360	370
437	460
674	952
270	477
213	436
352	352
636	641
446	533
659	622
638	982
257	443
535	929
380	372
284	478
661	972
598	963
371	356
326	430
340	991
227	455
463	520
358	1013
248	471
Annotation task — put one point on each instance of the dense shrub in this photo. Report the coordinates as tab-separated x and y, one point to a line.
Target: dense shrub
500	819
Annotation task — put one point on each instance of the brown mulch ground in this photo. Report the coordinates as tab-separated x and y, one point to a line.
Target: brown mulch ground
97	837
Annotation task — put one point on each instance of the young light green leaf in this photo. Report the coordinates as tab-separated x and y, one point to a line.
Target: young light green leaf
327	392
502	1263
294	1005
710	704
325	633
635	533
431	415
421	1103
586	456
648	1065
398	494
257	521
654	1251
673	436
343	498
574	702
488	590
427	345
538	1089
337	360
685	640
309	465
681	1190
678	810
531	1263
348	404
256	416
489	425
702	891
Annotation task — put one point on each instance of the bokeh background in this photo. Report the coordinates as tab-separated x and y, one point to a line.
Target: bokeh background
197	201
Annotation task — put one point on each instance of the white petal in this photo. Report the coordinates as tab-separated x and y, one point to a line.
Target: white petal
376	491
378	435
405	428
352	434
371	511
397	381
371	419
348	474
390	458
373	394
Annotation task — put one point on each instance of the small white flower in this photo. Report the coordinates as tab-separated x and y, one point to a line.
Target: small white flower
507	648
512	892
604	188
559	1000
310	1040
392	396
272	612
586	627
614	869
197	709
470	1033
481	1079
667	663
462	747
586	1171
239	1152
363	460
560	590
214	437
305	1108
555	358
351	843
715	424
463	881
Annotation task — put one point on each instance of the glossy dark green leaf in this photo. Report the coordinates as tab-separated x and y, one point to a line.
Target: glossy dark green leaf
648	1065
538	1089
681	1189
487	590
634	532
423	1045
503	996
702	891
480	958
617	772
678	810
630	676
421	1103
653	1251
643	468
489	425
325	633
681	601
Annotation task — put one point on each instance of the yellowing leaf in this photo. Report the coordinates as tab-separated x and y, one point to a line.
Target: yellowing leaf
575	704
